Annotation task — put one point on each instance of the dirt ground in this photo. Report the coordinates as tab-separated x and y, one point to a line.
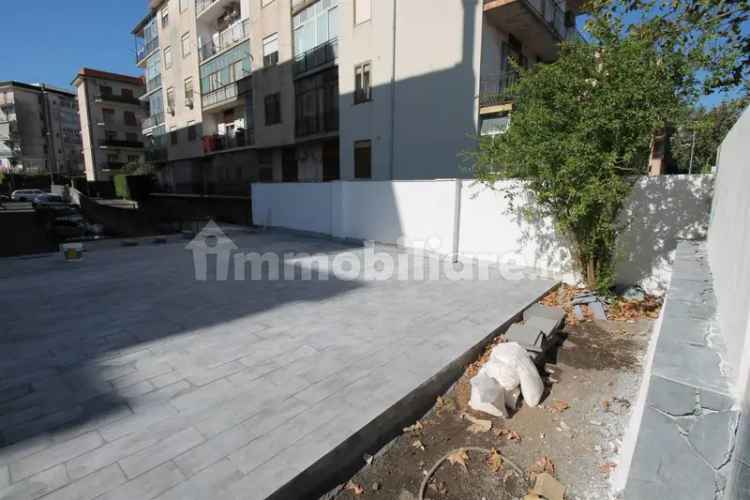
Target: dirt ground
575	433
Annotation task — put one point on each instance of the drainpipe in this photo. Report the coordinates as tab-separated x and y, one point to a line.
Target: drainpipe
457	219
393	94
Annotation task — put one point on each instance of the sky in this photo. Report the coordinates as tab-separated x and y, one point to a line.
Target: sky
50	41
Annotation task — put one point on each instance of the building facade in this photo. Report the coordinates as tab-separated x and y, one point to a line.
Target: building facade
111	115
39	129
316	90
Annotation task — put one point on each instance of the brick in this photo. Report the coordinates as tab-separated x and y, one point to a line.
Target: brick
124	447
92	485
161	452
212	482
37	485
54	455
148	485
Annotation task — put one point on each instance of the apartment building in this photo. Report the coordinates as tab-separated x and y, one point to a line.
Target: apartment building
39	129
111	115
315	90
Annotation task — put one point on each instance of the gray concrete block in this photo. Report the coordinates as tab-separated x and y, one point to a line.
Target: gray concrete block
93	485
671	397
164	394
208	375
166	379
148	485
37	485
265	479
135	390
4	476
547	319
164	450
54	455
713	436
139	421
206	397
15	452
528	335
715	401
212	482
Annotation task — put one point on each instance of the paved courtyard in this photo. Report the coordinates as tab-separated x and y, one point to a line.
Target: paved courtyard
121	376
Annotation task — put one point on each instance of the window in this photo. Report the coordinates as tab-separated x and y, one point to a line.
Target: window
362	159
189	92
183	6
315	26
186	44
113	157
173	136
167	57
109	115
131	137
362	11
111	135
130	119
165	16
271	50
170	100
126	93
192	131
105	90
362	82
494	124
273	109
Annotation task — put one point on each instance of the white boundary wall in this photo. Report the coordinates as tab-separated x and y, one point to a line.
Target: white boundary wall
471	220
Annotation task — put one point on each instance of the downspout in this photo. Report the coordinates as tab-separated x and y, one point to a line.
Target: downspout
393	94
457	219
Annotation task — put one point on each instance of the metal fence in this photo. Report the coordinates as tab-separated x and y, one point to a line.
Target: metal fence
497	88
318	56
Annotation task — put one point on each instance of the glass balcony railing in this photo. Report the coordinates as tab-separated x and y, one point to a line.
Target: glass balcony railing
216	142
118	143
153	84
153	121
223	40
220	95
144	49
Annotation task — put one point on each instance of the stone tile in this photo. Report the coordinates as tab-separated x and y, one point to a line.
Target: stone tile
212	482
166	379
672	397
713	435
17	451
37	485
54	455
4	476
92	485
148	485
206	376
144	418
161	452
264	480
135	390
205	397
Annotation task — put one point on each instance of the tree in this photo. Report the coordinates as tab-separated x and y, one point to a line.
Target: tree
580	133
696	141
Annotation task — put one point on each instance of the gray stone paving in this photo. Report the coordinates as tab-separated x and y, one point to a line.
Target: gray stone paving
123	377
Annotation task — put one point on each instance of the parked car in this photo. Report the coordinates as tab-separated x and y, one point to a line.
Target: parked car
25	194
49	201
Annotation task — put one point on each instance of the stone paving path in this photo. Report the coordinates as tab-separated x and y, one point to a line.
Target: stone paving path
121	376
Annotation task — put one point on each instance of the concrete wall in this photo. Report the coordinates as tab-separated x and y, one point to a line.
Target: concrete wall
729	256
660	211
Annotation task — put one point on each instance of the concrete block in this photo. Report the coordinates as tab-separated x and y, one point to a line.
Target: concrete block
93	485
547	319
529	336
148	485
166	379
139	421
713	434
37	485
165	450
212	482
54	455
4	476
206	397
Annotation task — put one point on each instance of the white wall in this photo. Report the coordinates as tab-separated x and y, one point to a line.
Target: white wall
660	210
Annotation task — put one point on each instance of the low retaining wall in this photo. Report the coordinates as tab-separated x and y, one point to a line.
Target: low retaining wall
461	217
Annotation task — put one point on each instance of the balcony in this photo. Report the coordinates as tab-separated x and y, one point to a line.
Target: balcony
155	153
496	90
152	84
116	143
152	121
318	57
209	11
220	96
123	99
224	40
215	143
538	24
145	49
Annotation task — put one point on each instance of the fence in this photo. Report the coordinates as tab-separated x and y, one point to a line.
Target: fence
473	221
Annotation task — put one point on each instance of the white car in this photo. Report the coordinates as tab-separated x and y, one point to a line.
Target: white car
25	194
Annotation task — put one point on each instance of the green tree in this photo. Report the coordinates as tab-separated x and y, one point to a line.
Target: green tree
696	140
580	133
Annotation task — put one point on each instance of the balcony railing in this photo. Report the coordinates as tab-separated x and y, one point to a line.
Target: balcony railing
144	50
496	89
120	98
153	84
153	121
220	95
225	39
117	143
216	142
550	11
316	57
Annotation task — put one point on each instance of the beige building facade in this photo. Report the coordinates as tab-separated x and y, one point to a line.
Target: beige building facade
316	90
40	132
111	115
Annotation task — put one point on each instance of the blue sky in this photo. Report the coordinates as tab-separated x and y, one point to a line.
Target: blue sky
49	41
